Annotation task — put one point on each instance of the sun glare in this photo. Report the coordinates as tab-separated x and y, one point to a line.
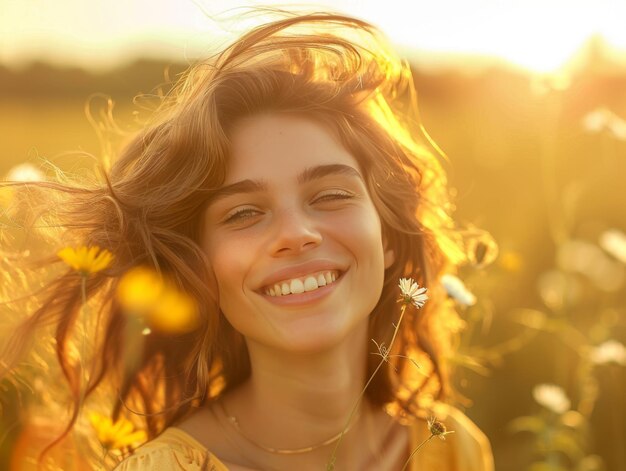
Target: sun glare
544	57
541	41
539	36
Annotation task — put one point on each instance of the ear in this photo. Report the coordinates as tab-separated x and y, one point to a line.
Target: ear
389	256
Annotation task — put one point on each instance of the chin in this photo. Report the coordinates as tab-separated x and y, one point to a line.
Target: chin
318	337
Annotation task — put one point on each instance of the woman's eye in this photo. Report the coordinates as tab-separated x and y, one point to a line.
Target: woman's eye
338	195
241	215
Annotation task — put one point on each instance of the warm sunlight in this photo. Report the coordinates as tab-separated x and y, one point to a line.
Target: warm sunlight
231	238
540	36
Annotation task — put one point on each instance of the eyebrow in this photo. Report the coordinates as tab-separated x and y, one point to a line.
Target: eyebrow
307	175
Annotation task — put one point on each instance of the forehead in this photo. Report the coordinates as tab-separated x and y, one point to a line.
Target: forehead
276	146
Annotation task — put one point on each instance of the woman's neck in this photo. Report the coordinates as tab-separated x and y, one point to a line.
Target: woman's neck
299	401
285	391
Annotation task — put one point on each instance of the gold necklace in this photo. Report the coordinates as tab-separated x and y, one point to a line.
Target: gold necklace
284	451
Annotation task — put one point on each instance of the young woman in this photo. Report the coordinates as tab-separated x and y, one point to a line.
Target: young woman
287	185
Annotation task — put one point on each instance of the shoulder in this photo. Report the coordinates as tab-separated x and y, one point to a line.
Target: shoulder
468	436
172	450
466	449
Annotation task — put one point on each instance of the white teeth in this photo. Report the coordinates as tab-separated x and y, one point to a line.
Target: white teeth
300	285
296	287
310	284
321	281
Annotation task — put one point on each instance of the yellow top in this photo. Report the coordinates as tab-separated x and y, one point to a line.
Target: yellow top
467	449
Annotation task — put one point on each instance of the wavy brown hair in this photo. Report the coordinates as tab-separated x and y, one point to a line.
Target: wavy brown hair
147	210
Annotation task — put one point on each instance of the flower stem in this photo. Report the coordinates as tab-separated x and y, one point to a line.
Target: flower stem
331	463
83	348
83	380
416	450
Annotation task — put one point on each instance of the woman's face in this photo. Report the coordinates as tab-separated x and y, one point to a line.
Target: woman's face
293	238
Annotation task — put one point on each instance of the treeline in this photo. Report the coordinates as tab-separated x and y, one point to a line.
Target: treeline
496	84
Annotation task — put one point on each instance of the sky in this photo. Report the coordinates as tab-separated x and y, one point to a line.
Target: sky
98	34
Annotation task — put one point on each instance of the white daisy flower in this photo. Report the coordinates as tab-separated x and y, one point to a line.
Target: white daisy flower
614	242
589	260
412	293
558	289
551	397
604	120
457	289
609	351
596	120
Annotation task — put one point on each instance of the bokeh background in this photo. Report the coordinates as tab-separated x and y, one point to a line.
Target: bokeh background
528	102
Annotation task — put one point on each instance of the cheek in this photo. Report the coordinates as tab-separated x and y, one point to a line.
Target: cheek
363	229
230	264
225	267
361	235
227	262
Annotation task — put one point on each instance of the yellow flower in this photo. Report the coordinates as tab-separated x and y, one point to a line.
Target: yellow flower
143	292
139	289
86	260
114	436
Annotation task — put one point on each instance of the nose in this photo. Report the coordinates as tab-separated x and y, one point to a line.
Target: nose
295	232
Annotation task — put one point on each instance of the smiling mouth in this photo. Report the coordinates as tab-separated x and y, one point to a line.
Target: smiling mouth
303	284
